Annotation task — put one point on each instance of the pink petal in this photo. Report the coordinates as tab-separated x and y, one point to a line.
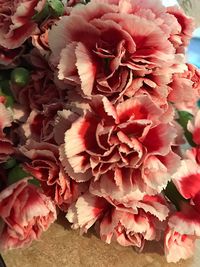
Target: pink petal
187	178
87	210
67	69
186	221
78	177
86	68
159	139
5	117
178	246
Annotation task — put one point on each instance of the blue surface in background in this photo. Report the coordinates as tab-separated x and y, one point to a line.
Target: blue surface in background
193	53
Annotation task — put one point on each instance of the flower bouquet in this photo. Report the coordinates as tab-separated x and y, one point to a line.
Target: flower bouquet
100	120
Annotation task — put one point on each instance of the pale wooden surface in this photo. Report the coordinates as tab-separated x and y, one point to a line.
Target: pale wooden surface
192	8
62	247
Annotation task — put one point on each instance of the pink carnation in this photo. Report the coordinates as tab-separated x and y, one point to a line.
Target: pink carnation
9	57
178	246
45	166
41	125
114	48
40	91
6	119
26	213
185	89
127	227
16	23
126	136
182	36
41	40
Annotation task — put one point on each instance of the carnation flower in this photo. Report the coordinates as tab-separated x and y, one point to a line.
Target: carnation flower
126	136
8	57
127	227
41	90
41	125
45	166
178	246
182	37
185	89
16	23
114	48
41	40
6	119
94	106
26	212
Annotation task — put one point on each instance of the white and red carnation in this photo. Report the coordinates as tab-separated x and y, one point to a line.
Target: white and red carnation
178	246
16	21
41	125
43	163
187	177
127	227
128	135
6	118
116	48
185	89
40	91
181	37
41	40
26	212
9	57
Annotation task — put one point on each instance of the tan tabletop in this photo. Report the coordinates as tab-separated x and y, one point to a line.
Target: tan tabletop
62	247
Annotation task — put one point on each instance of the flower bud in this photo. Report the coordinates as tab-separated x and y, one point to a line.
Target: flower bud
57	7
20	77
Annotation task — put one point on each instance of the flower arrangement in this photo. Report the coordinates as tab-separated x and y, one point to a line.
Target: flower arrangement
99	119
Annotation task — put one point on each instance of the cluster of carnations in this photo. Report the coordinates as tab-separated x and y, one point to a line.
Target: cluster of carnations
99	119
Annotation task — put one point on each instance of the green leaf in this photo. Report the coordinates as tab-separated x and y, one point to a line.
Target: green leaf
10	164
16	174
57	7
5	86
4	75
173	195
183	119
34	182
20	76
198	103
40	16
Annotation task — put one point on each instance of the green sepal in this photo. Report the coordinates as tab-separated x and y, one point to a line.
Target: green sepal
34	182
183	119
9	164
57	7
20	76
40	16
17	173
